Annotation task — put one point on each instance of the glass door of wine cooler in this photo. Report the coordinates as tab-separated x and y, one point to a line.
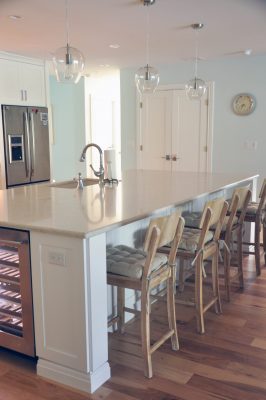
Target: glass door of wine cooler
16	311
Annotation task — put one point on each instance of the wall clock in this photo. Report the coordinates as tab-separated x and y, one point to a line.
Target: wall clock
244	104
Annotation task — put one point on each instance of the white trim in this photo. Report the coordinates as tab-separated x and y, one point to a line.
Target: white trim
209	139
86	382
210	126
138	130
16	57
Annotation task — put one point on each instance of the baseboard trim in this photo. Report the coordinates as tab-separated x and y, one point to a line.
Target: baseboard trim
86	382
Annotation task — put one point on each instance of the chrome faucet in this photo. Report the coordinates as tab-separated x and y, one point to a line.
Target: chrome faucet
100	173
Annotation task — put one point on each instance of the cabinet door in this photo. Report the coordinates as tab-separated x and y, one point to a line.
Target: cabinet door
32	80
10	91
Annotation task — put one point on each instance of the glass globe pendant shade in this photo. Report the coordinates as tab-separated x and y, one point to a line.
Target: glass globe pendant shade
195	89
147	79
69	63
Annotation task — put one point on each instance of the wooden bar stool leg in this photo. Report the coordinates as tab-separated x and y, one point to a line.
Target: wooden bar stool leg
171	308
240	258
227	264
257	247
199	295
120	309
215	283
264	242
181	278
145	332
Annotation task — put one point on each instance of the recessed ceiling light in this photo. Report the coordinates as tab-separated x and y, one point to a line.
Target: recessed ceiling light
15	17
114	46
104	65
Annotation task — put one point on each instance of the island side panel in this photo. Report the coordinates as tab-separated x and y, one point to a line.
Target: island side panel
63	269
96	309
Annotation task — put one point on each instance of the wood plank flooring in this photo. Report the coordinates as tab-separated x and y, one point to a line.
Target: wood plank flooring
228	362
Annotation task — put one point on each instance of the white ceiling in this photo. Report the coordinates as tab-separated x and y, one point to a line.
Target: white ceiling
231	26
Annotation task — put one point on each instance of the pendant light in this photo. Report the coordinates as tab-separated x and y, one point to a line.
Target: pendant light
147	77
196	87
68	61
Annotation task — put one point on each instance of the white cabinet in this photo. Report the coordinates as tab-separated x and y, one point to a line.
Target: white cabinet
22	83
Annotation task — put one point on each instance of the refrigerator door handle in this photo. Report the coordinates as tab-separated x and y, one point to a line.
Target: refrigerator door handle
28	153
32	143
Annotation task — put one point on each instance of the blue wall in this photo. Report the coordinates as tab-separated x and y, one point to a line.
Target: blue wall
231	76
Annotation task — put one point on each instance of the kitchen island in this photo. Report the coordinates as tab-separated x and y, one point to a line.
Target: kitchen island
69	231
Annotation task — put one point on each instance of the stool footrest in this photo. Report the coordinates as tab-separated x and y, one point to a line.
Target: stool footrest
113	321
131	310
211	303
163	339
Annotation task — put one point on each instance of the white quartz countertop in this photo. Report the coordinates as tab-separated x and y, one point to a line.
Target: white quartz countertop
94	209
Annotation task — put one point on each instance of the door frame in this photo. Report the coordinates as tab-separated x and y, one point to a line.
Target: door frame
209	144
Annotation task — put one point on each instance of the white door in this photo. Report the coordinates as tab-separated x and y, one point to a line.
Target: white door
156	126
174	132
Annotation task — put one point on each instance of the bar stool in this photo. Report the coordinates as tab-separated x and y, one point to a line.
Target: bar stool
199	244
233	226
264	236
143	271
256	213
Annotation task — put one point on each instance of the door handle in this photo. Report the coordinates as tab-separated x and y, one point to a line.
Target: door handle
167	157
175	158
28	155
33	143
25	95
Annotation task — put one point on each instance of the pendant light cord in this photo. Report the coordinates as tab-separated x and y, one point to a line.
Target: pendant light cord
196	52
67	21
147	35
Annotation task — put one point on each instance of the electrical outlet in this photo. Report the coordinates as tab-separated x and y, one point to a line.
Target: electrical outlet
56	258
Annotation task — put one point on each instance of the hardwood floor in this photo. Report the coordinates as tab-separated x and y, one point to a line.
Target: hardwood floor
228	362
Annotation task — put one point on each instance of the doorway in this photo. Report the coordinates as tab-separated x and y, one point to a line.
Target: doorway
175	133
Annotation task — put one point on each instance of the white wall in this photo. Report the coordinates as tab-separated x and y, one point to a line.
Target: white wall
231	76
67	103
102	91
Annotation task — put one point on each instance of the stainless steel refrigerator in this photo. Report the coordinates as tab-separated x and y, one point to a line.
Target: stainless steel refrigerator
26	143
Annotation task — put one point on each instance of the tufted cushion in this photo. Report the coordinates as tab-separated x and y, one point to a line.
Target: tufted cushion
252	208
190	239
235	221
129	262
192	220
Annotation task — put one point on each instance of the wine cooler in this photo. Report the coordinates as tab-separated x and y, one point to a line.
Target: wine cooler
16	311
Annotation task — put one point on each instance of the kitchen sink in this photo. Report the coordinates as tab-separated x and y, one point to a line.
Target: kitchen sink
74	183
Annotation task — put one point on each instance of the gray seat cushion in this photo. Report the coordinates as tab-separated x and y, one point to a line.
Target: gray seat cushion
192	218
190	239
129	262
252	208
